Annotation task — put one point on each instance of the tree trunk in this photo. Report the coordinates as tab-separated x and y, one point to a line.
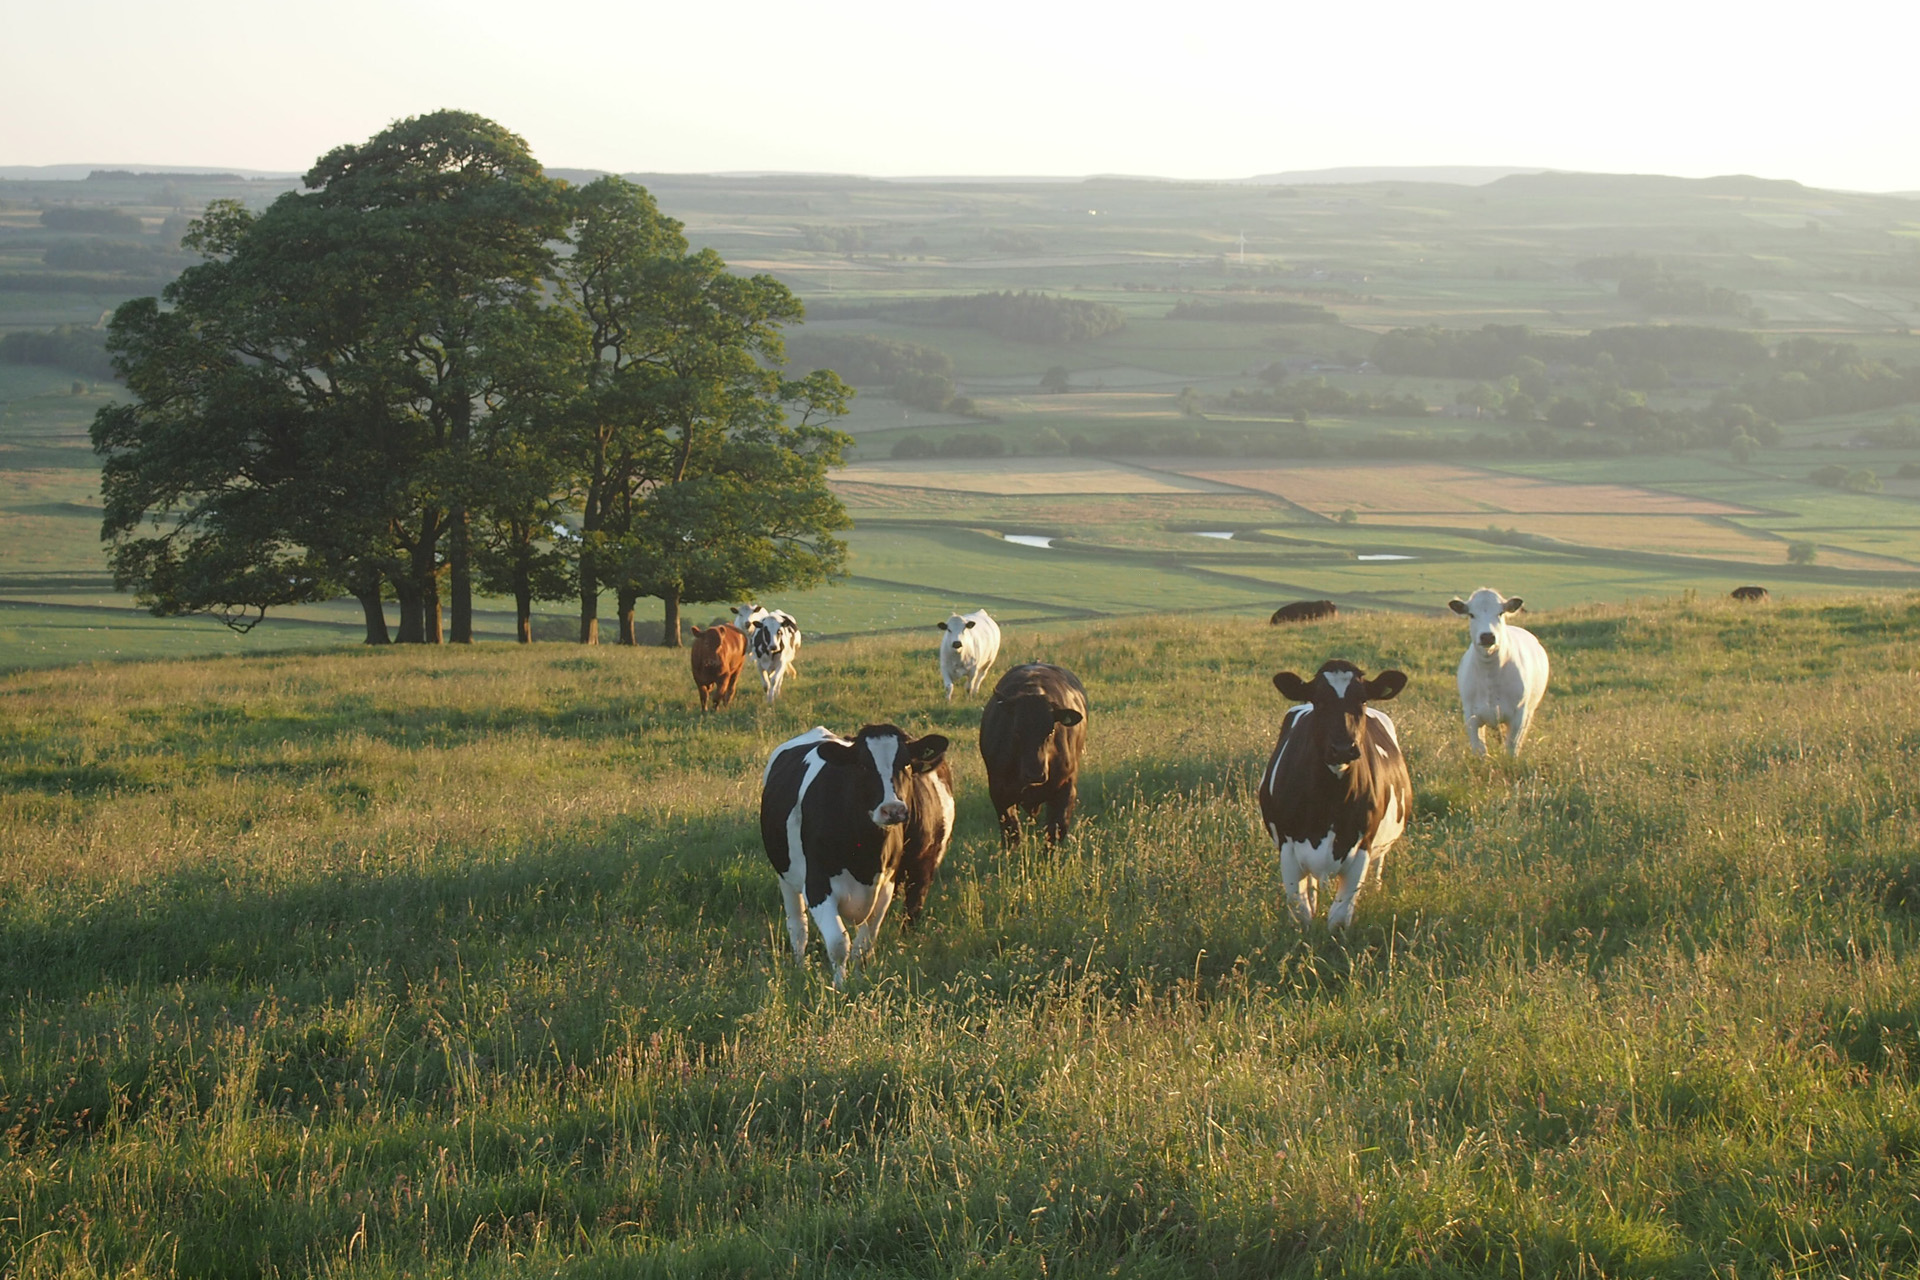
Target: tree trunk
523	606
670	622
627	599
460	572
375	613
410	617
589	600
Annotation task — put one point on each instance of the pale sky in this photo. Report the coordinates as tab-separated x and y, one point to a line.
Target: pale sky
1828	94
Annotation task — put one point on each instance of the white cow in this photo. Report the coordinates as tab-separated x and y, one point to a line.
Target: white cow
775	643
1503	674
969	642
745	615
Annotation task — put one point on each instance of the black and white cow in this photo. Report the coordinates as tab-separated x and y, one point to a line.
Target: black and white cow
775	643
849	823
1336	794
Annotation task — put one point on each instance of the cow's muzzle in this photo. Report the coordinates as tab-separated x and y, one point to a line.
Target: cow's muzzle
890	814
956	646
1346	753
1486	640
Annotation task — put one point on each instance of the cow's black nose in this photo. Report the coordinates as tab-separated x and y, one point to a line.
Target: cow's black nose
956	644
1486	638
1346	754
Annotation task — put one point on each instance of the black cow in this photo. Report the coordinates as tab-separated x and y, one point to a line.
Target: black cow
850	822
1304	611
1031	734
1336	794
1752	595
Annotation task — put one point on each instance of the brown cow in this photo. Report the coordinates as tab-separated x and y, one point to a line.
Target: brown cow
1303	611
719	652
1752	595
1032	731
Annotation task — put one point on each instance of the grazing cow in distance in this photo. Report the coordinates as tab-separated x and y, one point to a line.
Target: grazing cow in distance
718	654
1303	611
849	823
1503	674
969	642
775	641
1752	595
1336	794
1032	732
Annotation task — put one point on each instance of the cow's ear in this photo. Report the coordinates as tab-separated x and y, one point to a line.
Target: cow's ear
1512	606
927	753
843	754
939	626
1457	605
1386	685
1293	686
1067	716
969	625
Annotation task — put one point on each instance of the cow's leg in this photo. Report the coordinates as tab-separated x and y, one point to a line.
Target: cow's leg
796	923
980	676
870	927
826	915
1353	878
949	683
1474	742
1060	816
1299	886
1517	729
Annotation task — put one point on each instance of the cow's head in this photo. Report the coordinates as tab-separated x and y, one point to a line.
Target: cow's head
954	629
1339	693
771	632
881	756
1486	613
746	615
1034	720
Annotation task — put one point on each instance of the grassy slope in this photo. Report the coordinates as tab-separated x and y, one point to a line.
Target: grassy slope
412	962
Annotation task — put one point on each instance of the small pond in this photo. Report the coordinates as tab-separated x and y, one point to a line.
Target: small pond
1030	540
1385	555
1222	536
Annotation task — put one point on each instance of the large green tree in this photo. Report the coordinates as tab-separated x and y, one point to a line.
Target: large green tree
700	471
308	397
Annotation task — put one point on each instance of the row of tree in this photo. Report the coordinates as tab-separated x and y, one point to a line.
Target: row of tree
437	372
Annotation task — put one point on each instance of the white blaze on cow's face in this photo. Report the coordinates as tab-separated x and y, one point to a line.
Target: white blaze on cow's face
1486	613
885	752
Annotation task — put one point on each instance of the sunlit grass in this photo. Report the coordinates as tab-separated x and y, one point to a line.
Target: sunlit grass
406	961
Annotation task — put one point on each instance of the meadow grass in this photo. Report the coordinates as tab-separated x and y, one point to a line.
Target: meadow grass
424	962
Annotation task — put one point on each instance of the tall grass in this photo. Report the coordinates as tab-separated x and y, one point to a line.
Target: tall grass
417	962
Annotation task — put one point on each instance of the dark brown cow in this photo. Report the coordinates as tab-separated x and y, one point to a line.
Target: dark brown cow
1752	595
1336	794
1031	734
719	653
1303	611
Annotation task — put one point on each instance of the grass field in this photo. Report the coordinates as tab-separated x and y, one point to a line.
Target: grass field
423	962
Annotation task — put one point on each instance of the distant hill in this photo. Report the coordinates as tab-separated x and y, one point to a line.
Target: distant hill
1463	175
80	172
1594	183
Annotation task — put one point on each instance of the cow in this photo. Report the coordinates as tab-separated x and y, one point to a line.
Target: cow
1503	674
969	643
718	654
851	823
1751	595
1032	732
745	615
1303	611
1336	794
775	641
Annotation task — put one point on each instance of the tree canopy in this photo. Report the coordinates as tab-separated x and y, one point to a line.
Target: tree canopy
436	366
